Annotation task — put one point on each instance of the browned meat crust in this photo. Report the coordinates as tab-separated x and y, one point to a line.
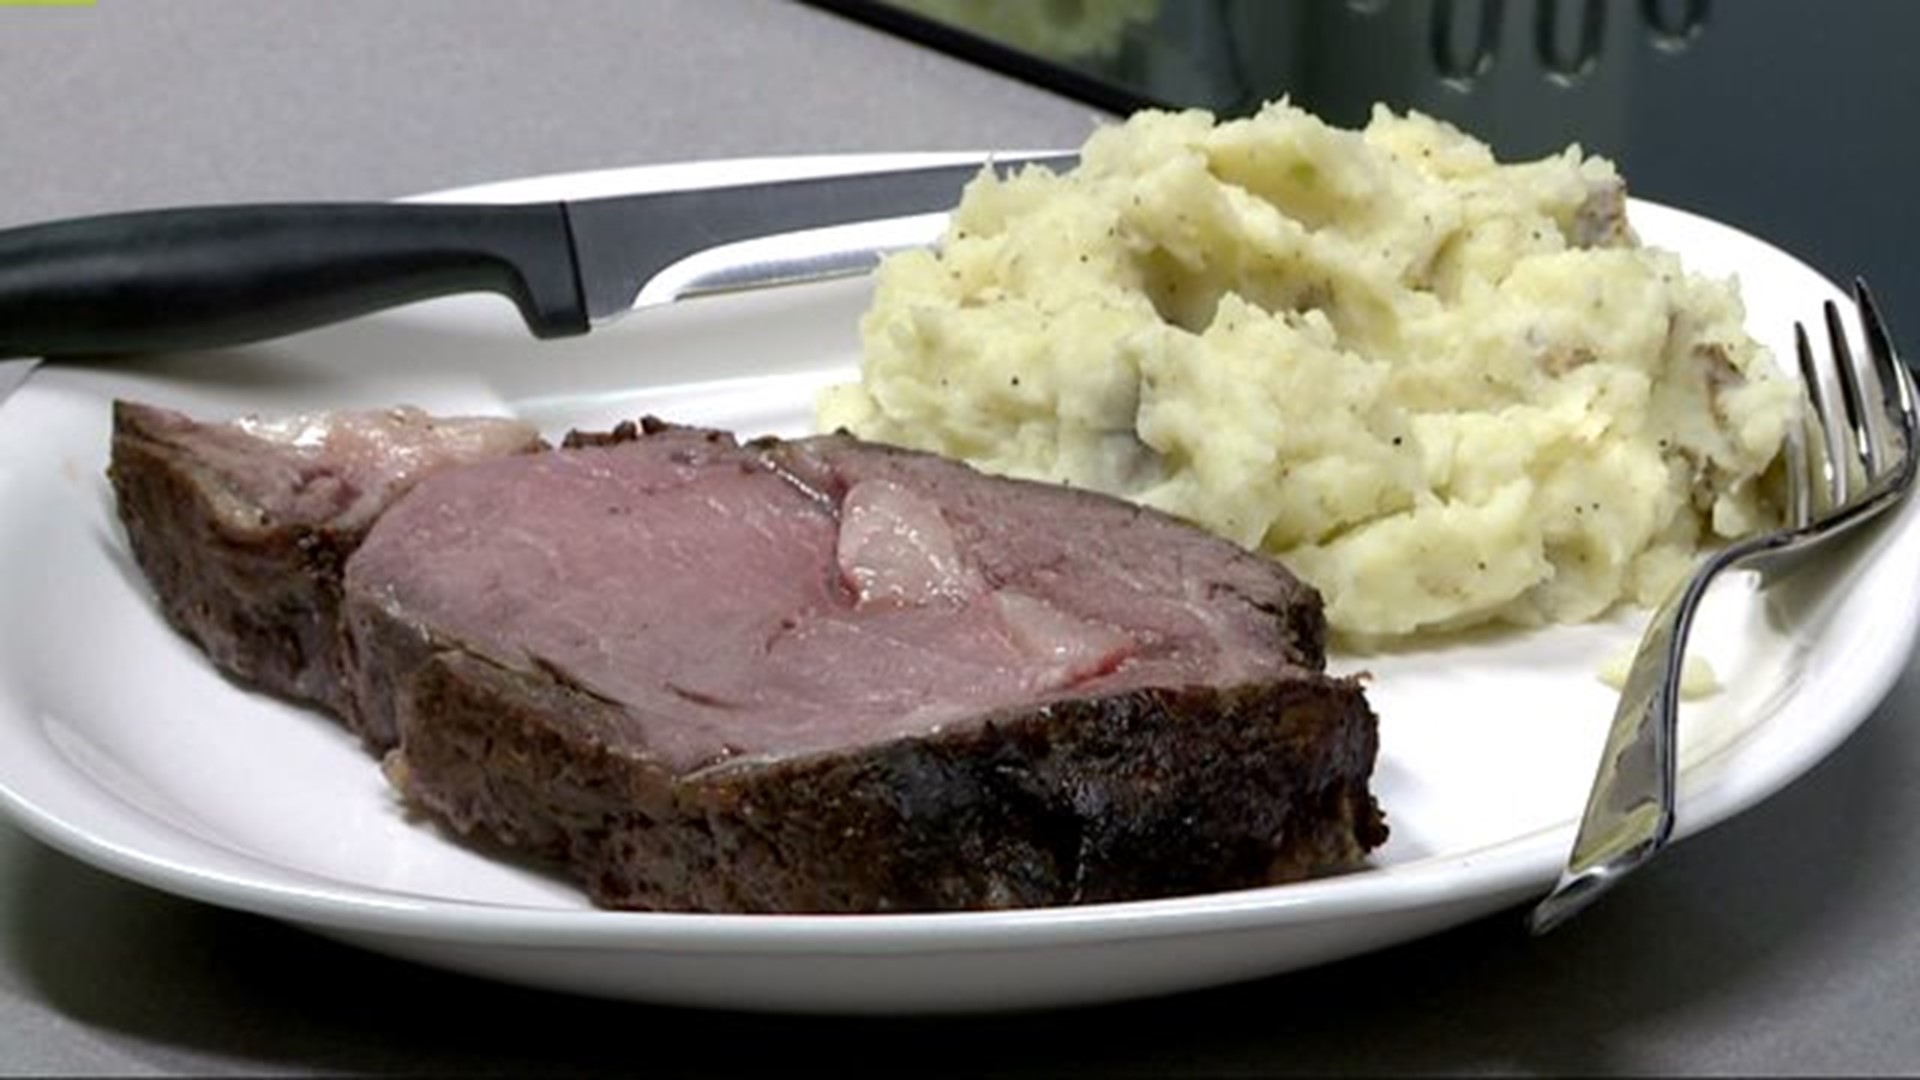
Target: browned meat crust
1146	794
260	594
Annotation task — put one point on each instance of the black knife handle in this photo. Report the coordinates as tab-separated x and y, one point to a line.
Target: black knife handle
213	276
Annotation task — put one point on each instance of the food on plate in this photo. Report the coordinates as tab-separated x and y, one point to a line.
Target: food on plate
1698	679
244	528
816	675
1445	391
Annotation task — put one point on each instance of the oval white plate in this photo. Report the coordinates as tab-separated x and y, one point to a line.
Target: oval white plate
121	746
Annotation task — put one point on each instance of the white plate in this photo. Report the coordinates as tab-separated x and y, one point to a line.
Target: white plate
121	746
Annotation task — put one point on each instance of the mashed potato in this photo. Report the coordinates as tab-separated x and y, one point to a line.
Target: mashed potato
1444	390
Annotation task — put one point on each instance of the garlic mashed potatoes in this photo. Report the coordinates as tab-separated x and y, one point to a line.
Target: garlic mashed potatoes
1443	390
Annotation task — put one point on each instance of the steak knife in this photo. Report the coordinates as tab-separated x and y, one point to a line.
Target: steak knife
205	277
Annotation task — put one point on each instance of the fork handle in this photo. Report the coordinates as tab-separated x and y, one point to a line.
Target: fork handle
1630	809
211	276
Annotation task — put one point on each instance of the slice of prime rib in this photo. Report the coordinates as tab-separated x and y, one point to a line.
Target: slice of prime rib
822	675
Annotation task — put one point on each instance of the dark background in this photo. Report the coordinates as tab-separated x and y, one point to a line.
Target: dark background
1798	122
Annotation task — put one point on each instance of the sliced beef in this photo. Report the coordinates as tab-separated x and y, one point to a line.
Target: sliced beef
244	527
829	676
816	675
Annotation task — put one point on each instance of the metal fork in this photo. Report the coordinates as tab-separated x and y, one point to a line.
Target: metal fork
1854	459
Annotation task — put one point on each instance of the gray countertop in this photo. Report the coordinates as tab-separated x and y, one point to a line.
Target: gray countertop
1782	941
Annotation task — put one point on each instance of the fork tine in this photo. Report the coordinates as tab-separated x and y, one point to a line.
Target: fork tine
1832	473
1879	341
1853	394
1803	477
1896	386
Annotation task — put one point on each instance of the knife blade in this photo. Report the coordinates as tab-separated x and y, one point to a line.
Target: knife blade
12	374
206	277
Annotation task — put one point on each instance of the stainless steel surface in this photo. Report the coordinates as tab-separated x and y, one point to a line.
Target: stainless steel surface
811	255
1785	941
626	247
1869	433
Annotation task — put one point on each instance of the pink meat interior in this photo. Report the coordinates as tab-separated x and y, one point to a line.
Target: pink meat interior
821	594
